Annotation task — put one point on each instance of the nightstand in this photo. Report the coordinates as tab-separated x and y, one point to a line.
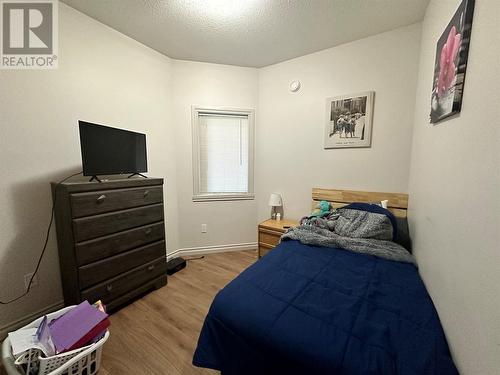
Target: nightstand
270	232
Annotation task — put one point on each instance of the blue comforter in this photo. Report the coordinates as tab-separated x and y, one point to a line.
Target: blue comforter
315	310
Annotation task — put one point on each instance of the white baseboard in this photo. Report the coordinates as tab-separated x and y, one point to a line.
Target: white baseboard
211	249
12	326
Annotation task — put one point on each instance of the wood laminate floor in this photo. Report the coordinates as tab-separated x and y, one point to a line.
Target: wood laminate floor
158	333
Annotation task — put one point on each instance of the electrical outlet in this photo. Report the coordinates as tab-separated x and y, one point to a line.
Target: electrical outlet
27	279
203	228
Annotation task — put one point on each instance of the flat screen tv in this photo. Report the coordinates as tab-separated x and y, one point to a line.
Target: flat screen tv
107	150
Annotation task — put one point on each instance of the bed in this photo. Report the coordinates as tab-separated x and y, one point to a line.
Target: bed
308	309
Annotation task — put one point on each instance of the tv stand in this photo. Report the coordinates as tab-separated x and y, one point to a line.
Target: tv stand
136	174
95	178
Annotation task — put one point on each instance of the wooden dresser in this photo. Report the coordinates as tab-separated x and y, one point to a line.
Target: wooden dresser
270	232
111	239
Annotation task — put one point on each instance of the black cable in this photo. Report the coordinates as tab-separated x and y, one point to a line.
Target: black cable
47	236
198	258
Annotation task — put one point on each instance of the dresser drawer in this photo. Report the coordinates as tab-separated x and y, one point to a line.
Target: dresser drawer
90	227
97	202
105	269
103	247
114	288
269	237
156	283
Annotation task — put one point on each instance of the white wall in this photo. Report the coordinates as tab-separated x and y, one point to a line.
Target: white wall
193	83
290	155
454	193
103	76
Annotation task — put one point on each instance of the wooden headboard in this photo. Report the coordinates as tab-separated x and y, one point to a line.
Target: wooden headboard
398	203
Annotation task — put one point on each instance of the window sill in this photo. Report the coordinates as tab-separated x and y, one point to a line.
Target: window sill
222	198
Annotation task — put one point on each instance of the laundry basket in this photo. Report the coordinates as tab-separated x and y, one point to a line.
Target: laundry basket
81	361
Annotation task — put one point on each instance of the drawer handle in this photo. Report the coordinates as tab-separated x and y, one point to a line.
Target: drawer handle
109	287
101	198
146	193
151	267
149	231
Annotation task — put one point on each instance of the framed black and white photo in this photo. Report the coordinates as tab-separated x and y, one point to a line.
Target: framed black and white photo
451	64
349	120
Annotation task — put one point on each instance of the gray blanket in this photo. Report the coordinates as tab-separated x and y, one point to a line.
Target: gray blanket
353	230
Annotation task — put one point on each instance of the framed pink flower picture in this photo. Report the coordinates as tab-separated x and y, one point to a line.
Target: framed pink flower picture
451	64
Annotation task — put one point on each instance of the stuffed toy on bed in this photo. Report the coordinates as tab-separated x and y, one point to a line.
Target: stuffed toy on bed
322	209
323	216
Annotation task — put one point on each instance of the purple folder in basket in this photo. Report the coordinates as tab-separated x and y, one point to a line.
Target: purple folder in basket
76	325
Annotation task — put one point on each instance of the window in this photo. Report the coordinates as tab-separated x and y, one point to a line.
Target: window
222	154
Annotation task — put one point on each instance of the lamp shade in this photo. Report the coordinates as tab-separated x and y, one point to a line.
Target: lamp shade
275	200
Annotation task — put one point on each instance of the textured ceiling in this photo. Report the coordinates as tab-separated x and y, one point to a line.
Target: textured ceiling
249	32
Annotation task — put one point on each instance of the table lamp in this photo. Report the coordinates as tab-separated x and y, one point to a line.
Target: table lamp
275	201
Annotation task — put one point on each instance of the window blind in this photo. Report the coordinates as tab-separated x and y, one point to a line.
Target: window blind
223	153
